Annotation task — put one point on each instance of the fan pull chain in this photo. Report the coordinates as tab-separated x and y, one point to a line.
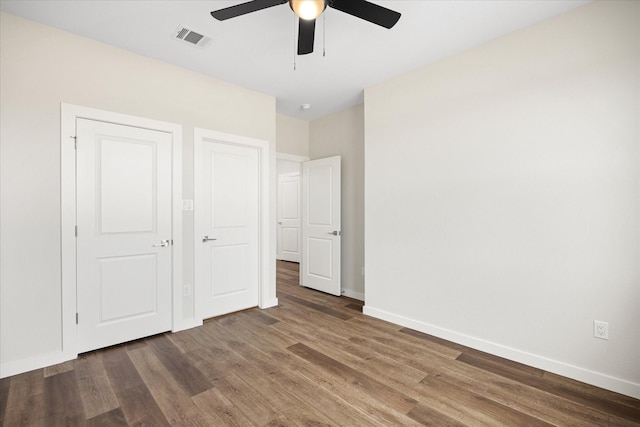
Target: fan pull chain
324	34
294	42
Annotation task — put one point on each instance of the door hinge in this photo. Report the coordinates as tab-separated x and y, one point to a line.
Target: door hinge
76	318
76	231
75	142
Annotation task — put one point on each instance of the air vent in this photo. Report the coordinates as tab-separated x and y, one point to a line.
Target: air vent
191	37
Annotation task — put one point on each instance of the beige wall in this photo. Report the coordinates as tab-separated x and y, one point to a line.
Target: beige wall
292	135
503	196
41	67
342	134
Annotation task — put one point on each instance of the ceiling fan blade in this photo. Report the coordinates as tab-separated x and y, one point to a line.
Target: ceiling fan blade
368	11
244	8
306	36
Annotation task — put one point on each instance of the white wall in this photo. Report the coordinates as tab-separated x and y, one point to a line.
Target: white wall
503	196
41	67
284	166
292	143
292	135
342	134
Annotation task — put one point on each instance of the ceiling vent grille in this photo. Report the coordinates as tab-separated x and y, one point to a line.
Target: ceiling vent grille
191	37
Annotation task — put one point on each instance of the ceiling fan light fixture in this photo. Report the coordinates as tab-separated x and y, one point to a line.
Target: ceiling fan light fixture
308	9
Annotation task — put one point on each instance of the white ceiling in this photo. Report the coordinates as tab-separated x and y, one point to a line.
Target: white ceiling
257	50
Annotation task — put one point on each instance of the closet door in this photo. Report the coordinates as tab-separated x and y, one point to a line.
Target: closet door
227	227
124	266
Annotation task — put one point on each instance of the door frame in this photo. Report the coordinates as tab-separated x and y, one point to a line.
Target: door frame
201	135
69	114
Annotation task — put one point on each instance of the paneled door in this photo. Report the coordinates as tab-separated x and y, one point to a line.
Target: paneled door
289	217
227	227
321	232
124	233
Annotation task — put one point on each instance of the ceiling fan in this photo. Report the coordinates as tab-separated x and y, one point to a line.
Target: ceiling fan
309	10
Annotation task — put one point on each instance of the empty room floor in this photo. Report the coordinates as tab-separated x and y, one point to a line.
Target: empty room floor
313	360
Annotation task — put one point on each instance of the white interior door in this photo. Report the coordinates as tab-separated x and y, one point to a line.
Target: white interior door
320	267
124	233
227	227
289	217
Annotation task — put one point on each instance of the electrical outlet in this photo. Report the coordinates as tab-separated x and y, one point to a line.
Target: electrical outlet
601	330
187	290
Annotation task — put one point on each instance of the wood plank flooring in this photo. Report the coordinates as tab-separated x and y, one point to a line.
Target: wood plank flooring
314	360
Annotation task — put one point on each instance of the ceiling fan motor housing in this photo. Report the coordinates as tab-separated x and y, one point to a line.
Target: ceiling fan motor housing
308	9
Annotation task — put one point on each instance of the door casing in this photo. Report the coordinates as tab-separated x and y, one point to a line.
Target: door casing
69	114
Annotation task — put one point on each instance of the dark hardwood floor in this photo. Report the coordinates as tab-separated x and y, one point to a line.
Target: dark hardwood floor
313	360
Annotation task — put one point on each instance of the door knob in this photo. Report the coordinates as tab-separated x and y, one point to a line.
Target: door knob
206	239
335	233
162	244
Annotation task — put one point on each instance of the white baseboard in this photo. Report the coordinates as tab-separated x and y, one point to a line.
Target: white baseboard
353	294
269	303
574	372
183	325
8	369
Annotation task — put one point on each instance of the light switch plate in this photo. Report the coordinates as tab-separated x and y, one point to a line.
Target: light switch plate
187	205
